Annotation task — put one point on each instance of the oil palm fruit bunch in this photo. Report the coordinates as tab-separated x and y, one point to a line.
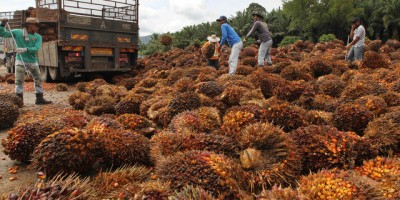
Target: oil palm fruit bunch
234	121
323	147
66	151
124	148
185	122
287	116
375	104
12	99
331	85
210	119
101	105
352	117
185	101
9	115
214	173
61	87
166	39
153	190
130	104
279	193
317	117
329	184
320	67
117	92
269	157
192	193
107	183
374	45
232	95
375	60
23	138
78	100
59	187
209	88
391	98
386	171
324	103
166	144
104	125
90	87
137	123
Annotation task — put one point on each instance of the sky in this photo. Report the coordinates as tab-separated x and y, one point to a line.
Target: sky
161	16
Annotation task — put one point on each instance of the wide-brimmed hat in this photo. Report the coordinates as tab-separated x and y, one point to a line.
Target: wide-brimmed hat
222	17
213	38
31	20
258	15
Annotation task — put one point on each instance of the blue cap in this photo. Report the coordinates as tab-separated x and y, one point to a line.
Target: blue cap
222	17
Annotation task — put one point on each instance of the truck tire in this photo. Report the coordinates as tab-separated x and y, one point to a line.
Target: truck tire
54	73
44	74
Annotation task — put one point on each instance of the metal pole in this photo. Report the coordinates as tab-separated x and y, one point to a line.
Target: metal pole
16	46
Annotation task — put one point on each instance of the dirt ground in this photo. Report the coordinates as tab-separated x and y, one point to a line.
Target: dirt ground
24	175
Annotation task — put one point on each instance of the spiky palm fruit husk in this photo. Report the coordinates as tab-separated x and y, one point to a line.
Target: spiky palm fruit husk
81	86
12	99
192	193
352	117
355	91
205	77
329	184
373	103
251	97
234	121
249	52
78	100
111	182
320	47
386	171
66	151
124	148
385	132
251	61
244	70
215	173
147	83
154	190
137	124
269	84
279	193
293	90
61	87
185	84
391	98
129	104
59	187
331	85
270	156
239	83
286	116
185	101
117	92
90	87
210	119
9	115
185	122
174	76
375	60
317	117
210	88
101	105
374	45
320	67
23	139
129	83
296	72
232	95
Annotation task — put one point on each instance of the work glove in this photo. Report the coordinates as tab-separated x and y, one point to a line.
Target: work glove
21	50
4	22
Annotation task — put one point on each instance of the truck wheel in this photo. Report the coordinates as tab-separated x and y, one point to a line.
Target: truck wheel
55	73
44	74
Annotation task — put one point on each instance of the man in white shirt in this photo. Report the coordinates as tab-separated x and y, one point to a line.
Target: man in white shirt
357	45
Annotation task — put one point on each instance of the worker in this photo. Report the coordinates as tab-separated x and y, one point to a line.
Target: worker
232	38
357	45
261	28
28	43
210	50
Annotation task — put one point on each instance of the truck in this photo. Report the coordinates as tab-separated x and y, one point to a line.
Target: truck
80	36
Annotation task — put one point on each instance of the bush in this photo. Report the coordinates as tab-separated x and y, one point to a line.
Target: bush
289	40
327	38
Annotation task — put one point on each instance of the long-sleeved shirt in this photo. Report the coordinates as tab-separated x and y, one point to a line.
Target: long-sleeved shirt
262	30
229	35
33	45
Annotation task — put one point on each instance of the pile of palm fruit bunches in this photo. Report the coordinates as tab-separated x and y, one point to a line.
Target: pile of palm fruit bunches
311	126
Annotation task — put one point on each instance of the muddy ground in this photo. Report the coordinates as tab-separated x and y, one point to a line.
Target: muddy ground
25	175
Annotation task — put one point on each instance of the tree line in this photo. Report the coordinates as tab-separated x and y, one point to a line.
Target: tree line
303	19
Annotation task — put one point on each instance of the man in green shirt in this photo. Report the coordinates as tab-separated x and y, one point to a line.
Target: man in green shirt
28	43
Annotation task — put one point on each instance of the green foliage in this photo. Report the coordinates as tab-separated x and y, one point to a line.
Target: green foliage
327	38
289	40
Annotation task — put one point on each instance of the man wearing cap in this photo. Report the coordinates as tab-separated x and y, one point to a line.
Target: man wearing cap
263	35
357	45
28	43
229	35
213	56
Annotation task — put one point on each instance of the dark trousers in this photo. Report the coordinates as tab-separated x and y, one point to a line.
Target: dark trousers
213	63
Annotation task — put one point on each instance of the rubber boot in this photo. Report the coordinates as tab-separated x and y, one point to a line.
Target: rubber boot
40	100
